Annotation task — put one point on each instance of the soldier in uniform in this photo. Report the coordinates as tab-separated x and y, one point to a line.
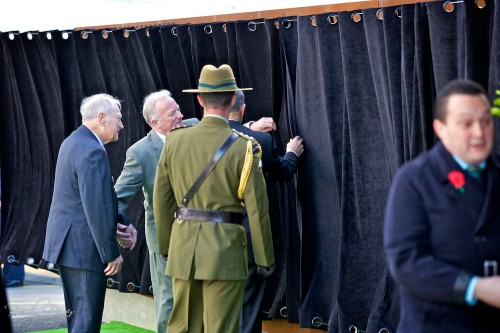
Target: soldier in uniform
207	175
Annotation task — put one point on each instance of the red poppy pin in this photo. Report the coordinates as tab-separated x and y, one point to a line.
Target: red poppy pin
457	179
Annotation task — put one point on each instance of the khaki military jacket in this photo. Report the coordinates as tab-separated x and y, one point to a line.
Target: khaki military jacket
209	250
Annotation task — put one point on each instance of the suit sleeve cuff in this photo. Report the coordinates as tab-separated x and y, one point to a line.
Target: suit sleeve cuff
123	218
469	293
460	287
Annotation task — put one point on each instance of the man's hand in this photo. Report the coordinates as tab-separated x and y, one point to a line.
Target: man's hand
114	266
296	145
266	271
488	290
126	236
264	124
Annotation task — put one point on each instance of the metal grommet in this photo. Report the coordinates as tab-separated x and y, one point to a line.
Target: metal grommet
110	282
12	35
316	322
131	286
11	259
481	4
277	24
380	14
147	32
151	290
252	26
224	27
30	261
48	35
313	20
174	31
354	329
105	34
397	11
332	19
357	17
449	6
384	330
287	23
85	34
208	29
284	312
29	35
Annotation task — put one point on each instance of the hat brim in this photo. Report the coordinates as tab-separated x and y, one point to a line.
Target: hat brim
213	91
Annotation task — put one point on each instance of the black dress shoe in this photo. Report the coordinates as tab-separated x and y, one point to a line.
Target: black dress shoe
14	283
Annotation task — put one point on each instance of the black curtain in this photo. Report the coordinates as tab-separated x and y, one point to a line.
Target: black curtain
357	86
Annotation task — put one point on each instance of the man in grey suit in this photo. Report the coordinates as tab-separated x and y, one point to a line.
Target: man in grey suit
81	236
162	113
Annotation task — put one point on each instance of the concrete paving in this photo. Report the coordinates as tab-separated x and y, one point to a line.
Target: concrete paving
39	304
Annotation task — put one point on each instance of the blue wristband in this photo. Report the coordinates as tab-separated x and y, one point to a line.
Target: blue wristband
469	293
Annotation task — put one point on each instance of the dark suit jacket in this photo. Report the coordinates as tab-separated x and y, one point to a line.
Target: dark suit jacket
436	237
81	228
273	165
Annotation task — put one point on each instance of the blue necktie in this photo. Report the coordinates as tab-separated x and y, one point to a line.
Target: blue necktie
474	171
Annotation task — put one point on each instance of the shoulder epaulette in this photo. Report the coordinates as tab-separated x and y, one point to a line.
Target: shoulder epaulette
182	126
243	135
256	148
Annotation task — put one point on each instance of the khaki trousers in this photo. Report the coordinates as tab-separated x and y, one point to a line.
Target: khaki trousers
206	306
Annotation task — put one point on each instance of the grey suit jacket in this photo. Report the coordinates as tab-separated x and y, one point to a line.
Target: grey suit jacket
81	228
138	174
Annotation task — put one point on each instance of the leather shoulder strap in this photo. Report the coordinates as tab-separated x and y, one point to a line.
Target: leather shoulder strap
218	154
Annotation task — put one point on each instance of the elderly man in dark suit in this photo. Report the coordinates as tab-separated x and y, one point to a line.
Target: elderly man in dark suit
81	236
275	167
162	113
204	240
442	224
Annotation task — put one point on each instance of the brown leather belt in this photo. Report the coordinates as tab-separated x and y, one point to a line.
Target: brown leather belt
218	216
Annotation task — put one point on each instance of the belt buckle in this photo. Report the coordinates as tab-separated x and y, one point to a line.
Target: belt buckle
178	219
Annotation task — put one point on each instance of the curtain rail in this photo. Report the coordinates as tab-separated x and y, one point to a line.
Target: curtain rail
267	14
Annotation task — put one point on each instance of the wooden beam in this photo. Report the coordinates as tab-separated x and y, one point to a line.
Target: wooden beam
267	14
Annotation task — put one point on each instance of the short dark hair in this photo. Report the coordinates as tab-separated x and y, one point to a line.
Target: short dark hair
455	87
239	101
221	99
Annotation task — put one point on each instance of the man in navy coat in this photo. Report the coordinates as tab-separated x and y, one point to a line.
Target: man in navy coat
274	167
81	236
442	223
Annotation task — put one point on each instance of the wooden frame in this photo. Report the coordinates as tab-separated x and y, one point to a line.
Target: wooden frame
267	14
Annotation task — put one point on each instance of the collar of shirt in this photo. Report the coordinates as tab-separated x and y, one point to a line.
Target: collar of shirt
162	137
98	139
216	116
465	166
